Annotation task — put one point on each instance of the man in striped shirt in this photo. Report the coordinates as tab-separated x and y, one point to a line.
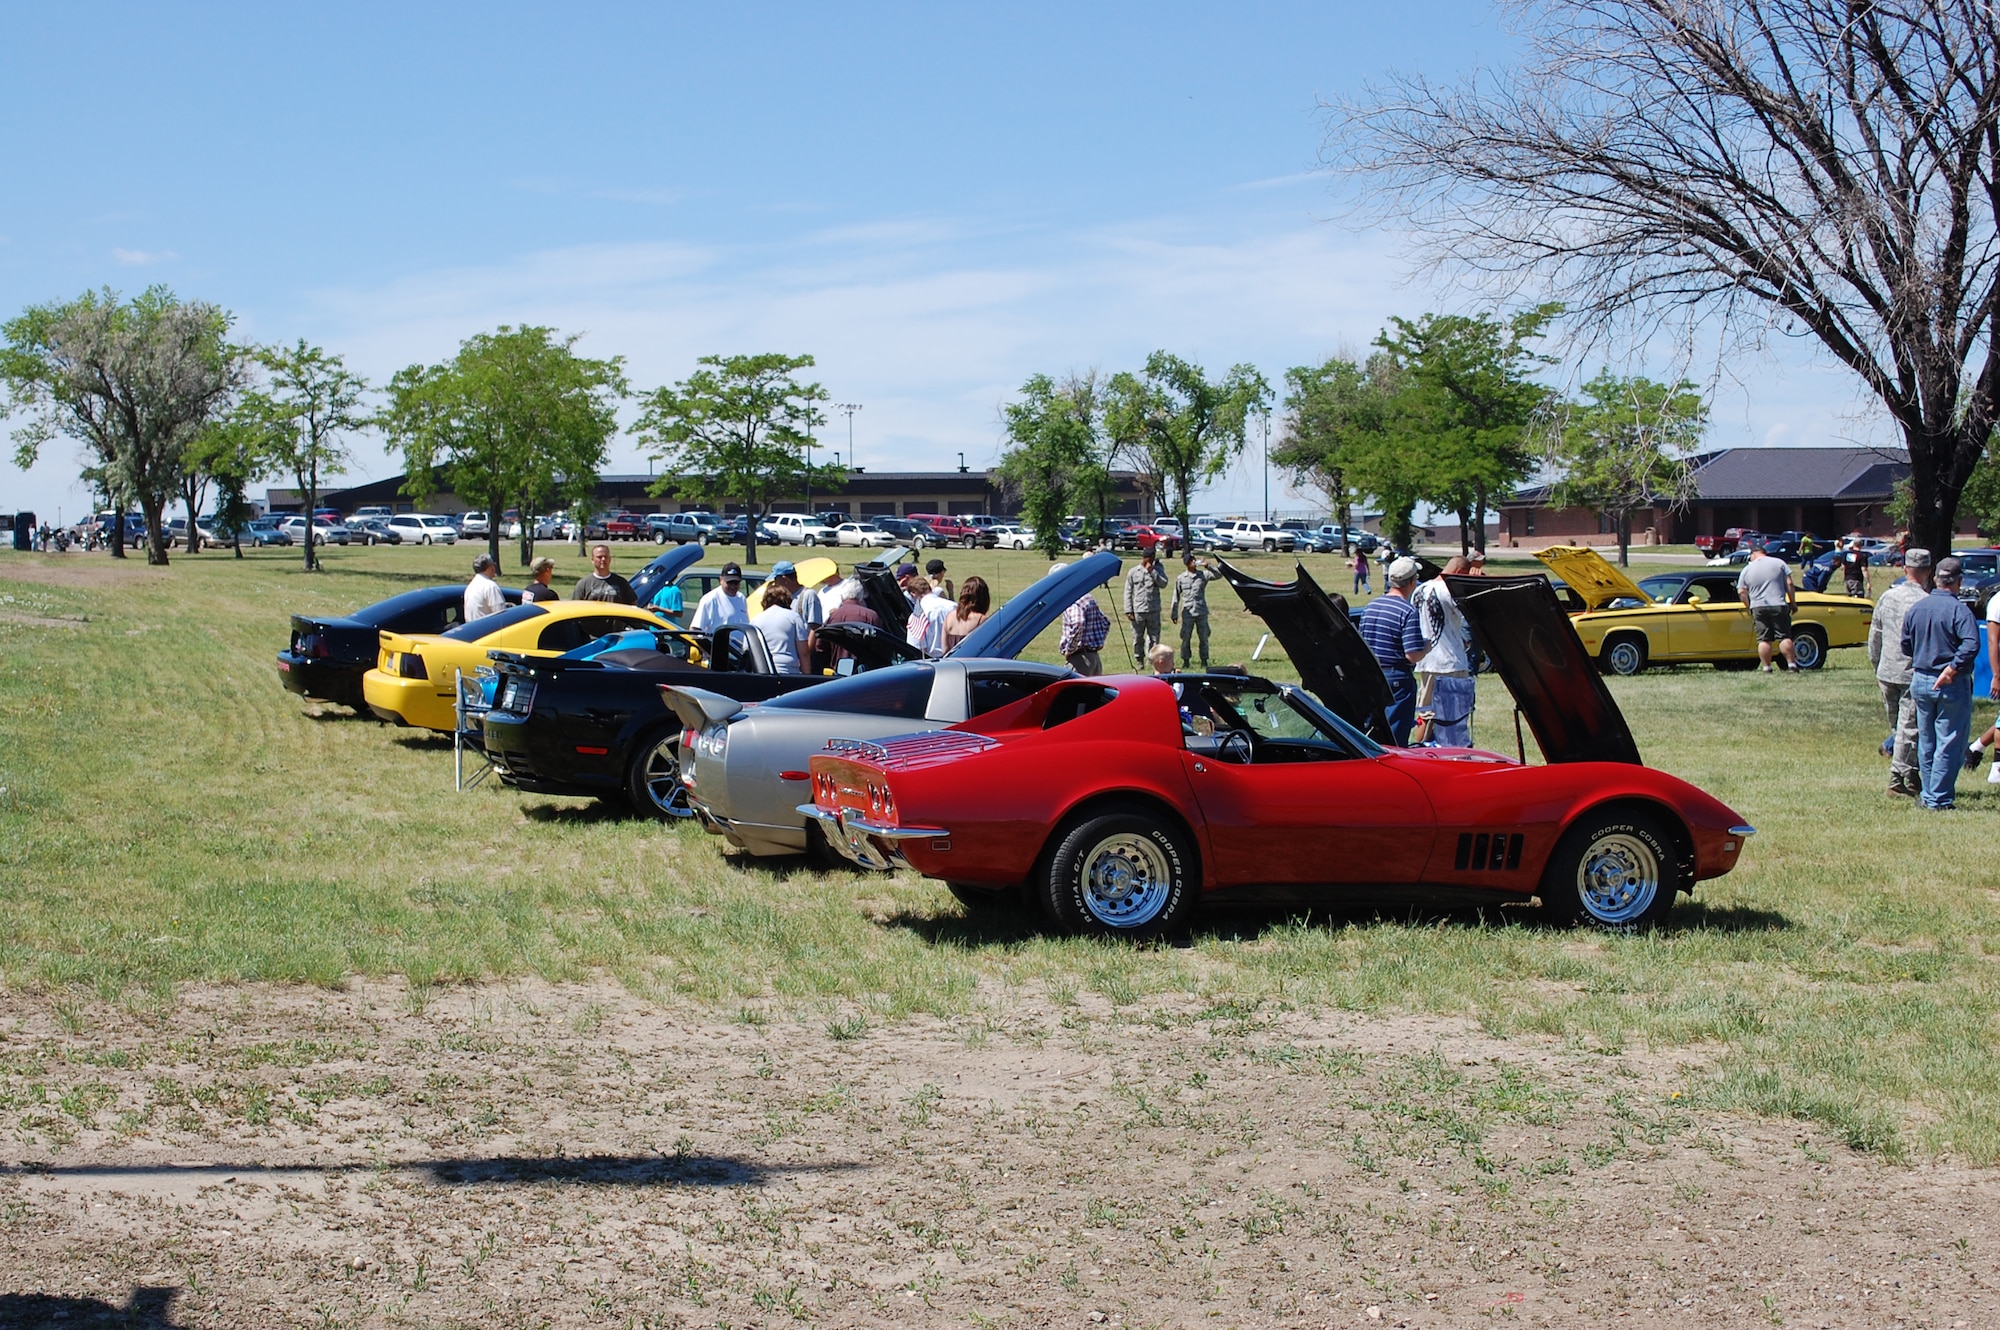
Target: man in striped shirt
1387	627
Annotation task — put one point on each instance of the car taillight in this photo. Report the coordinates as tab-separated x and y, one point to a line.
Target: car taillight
411	666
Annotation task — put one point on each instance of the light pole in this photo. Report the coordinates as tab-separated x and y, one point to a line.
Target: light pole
850	408
1267	466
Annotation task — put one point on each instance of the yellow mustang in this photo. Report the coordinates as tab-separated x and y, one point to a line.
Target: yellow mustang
1678	618
412	682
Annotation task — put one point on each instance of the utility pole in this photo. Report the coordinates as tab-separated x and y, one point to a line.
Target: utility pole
850	408
1267	466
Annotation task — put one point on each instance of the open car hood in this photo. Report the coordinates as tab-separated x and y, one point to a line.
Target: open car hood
1334	664
667	568
1591	576
1537	653
873	647
880	593
1009	629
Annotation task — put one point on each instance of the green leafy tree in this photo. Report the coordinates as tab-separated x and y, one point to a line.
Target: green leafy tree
133	381
1466	407
516	418
1336	431
1055	455
1624	444
313	402
1980	499
737	428
1173	424
232	451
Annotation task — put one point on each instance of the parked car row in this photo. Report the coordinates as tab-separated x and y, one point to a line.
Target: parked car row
1114	805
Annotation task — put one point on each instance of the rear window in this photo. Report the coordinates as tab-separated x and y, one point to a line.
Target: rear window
493	623
903	690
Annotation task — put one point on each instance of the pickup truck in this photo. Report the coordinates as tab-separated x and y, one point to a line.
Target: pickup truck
1714	547
622	525
956	532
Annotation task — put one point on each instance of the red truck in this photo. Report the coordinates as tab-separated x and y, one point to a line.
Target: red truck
1715	547
956	532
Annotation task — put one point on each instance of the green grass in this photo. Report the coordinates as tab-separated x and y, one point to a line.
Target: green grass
168	813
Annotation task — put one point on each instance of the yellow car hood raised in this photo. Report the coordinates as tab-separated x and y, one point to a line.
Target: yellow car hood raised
1591	576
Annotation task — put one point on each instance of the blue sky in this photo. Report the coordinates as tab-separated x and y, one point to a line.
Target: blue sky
935	201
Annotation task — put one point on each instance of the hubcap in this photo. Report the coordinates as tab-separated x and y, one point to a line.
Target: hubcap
663	781
1806	651
1126	881
1625	658
1618	879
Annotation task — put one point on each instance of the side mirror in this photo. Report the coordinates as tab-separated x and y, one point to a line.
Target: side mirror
844	666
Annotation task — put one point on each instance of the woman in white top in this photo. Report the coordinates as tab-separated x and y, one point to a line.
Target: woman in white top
784	632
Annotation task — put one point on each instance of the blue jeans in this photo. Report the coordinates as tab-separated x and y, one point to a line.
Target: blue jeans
1944	723
1402	705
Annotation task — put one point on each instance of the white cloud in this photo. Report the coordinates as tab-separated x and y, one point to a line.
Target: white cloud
135	258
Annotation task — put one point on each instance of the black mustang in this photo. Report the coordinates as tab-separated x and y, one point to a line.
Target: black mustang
599	727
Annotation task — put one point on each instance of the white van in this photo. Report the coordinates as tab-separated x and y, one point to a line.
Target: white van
423	529
799	529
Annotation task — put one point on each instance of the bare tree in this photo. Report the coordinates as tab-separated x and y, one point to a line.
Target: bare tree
1824	166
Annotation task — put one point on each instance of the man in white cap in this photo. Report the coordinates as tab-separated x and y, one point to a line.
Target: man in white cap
1387	627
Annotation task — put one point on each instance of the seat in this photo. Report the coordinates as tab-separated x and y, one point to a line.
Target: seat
474	698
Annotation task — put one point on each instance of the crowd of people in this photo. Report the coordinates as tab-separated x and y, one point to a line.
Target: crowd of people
1924	642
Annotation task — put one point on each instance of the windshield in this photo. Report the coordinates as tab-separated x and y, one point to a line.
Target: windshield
1662	588
902	690
1285	724
493	623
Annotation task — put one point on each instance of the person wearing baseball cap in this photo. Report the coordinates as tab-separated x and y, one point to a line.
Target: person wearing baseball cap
1941	638
1892	670
725	604
1396	643
934	574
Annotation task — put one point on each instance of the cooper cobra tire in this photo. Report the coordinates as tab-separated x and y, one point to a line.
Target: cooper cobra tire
1624	654
1614	869
1809	647
653	778
1123	873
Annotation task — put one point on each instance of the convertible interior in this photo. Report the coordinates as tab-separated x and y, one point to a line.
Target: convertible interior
1253	726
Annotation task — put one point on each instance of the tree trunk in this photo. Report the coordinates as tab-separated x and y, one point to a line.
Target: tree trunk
750	533
1624	537
118	529
527	535
1940	464
155	509
1479	518
312	502
1464	531
493	533
236	539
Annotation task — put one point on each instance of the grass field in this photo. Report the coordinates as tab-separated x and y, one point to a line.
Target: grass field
168	813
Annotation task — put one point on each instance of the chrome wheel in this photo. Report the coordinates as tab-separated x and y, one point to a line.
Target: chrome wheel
654	782
1625	656
1126	880
1618	878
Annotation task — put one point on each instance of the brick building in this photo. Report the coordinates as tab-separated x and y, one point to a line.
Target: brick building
1828	491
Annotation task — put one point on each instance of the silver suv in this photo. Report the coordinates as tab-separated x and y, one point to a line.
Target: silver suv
1244	535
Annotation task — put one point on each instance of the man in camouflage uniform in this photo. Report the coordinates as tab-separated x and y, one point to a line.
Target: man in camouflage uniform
1142	603
1189	608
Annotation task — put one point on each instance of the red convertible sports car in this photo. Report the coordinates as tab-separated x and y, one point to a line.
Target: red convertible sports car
1117	804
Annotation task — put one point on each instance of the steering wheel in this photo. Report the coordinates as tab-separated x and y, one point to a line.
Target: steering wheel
1234	747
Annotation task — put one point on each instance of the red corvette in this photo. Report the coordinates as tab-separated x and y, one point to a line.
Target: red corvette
1117	804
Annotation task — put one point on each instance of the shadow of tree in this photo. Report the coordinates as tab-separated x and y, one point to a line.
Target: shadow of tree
148	1308
676	1170
609	809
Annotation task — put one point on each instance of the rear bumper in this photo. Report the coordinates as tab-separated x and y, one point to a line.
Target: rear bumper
312	677
866	842
404	701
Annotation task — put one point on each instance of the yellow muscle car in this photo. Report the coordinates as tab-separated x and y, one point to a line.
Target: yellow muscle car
1686	617
412	682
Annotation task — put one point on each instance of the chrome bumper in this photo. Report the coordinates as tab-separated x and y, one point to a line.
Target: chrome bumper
865	842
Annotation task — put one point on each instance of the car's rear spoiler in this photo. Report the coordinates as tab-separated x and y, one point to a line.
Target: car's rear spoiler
697	707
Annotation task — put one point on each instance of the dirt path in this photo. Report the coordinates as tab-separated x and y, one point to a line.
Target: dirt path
527	1155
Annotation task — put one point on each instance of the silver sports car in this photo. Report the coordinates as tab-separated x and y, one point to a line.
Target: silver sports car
745	765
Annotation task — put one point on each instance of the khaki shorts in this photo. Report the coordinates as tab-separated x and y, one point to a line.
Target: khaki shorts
1773	622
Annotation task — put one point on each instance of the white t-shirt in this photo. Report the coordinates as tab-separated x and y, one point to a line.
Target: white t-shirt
783	632
1442	624
482	597
717	608
927	624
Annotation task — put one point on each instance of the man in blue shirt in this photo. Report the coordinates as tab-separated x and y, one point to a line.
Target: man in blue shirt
1941	638
1387	627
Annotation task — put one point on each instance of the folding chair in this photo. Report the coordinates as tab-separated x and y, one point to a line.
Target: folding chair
469	707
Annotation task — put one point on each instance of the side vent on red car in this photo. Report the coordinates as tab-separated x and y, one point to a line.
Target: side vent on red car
1485	852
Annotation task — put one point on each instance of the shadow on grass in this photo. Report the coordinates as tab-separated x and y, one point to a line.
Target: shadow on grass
424	741
581	1170
593	813
341	711
1004	926
148	1308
